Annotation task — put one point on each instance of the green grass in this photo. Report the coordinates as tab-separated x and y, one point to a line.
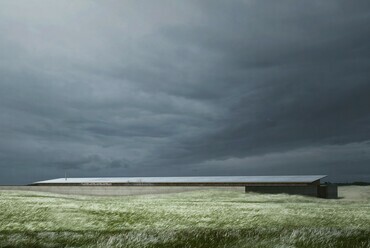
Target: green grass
191	219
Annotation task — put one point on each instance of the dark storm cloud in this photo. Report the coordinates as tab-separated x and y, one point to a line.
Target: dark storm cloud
183	88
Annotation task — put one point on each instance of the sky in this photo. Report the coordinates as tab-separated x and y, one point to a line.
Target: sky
184	88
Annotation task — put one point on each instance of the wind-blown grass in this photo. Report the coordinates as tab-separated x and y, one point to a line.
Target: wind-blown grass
191	219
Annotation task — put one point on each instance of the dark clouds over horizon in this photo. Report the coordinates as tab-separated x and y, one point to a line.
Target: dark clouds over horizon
166	88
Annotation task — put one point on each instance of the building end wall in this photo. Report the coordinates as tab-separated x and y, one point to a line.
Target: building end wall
310	190
328	191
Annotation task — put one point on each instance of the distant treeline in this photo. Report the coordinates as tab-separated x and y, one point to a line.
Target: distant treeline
354	183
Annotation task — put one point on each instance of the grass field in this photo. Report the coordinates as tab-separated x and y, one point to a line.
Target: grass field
190	219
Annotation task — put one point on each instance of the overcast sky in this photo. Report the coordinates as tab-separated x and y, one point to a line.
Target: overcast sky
180	88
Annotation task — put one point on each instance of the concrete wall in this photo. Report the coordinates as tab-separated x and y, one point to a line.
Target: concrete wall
114	190
332	192
294	190
328	191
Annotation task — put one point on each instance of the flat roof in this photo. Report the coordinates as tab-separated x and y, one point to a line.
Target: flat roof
214	179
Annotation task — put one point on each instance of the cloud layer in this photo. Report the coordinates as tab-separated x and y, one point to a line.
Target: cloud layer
125	88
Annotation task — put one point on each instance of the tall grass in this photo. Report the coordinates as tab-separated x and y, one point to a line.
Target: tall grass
191	219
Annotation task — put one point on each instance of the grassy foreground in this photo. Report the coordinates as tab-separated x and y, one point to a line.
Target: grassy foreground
191	219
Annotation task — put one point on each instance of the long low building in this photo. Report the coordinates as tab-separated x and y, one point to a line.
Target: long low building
300	184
